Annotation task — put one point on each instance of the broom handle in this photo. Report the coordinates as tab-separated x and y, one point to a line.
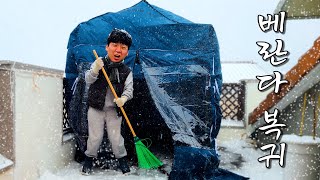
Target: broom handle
115	95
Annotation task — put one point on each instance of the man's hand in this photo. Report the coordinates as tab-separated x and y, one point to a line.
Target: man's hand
97	65
120	101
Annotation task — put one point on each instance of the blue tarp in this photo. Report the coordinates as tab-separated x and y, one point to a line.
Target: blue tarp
177	64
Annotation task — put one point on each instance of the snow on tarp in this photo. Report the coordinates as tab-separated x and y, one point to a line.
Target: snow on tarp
175	62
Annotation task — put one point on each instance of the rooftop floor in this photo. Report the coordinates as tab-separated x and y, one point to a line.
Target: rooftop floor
238	156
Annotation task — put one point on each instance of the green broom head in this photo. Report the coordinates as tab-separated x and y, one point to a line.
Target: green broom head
146	159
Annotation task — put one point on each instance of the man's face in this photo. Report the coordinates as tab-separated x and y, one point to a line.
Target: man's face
117	51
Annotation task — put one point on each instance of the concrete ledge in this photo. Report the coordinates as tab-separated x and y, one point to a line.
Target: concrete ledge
18	66
67	138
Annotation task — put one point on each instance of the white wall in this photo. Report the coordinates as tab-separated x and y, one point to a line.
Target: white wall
38	122
253	97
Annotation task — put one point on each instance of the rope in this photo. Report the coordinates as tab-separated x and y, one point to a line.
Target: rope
147	144
35	87
313	100
303	112
160	12
316	116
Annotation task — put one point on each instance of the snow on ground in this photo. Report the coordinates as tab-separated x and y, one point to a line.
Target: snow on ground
238	156
72	172
241	157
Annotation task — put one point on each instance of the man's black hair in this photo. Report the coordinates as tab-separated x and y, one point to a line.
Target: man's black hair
120	36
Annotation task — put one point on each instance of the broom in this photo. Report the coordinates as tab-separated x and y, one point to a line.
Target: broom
146	159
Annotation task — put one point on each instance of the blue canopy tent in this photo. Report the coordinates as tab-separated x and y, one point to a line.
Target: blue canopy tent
177	82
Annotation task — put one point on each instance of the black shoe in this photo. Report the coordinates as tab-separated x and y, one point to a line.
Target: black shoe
87	166
123	165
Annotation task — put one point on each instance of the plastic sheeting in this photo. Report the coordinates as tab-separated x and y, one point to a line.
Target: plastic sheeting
180	88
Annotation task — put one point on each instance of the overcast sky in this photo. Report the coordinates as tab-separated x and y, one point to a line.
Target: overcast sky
36	31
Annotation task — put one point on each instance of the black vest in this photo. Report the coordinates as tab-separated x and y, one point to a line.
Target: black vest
98	89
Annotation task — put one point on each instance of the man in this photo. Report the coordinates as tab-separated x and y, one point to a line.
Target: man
102	110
